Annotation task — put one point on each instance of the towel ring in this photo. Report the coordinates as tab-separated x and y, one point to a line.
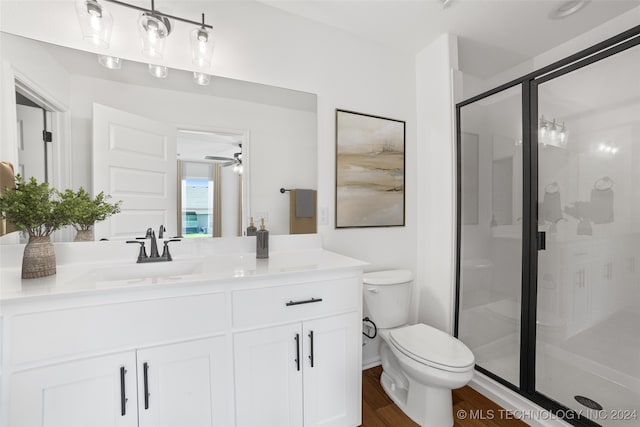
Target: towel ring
552	188
603	183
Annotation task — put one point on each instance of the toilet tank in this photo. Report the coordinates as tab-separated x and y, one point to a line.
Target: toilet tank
387	295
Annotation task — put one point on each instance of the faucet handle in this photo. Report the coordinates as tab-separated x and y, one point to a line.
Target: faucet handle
143	253
165	251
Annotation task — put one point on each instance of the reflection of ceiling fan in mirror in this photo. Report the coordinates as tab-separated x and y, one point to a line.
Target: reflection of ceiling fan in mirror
236	160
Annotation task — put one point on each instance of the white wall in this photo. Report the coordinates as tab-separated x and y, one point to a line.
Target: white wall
436	246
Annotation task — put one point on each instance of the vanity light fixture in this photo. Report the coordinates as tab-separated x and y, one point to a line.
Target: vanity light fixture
154	28
159	71
550	132
95	21
201	78
110	62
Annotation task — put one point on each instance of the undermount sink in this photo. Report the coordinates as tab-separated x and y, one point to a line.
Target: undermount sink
170	269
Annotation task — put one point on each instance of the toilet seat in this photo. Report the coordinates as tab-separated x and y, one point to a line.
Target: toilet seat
432	347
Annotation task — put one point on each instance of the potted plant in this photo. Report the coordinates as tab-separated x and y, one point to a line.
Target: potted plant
38	210
84	211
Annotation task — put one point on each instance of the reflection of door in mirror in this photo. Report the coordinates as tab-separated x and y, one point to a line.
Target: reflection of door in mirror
34	154
210	184
134	161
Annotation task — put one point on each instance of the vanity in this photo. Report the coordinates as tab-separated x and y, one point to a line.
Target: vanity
214	338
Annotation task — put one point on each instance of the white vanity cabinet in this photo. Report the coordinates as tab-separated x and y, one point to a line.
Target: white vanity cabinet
280	347
306	372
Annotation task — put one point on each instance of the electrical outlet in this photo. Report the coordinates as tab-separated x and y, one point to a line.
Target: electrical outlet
323	216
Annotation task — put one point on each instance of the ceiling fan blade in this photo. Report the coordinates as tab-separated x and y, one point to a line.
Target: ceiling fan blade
219	158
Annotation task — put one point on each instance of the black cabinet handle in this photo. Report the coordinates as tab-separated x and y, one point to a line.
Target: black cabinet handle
308	301
123	392
542	240
145	373
297	338
311	353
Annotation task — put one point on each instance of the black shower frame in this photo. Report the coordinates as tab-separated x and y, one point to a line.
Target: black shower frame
529	85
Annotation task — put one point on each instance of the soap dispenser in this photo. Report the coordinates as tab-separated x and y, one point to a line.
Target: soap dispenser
262	241
251	229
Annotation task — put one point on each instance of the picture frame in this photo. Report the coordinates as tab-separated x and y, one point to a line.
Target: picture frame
370	171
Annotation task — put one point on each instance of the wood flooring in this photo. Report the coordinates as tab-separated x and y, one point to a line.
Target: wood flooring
470	408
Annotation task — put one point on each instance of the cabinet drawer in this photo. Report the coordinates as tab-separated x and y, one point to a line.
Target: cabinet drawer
254	307
74	331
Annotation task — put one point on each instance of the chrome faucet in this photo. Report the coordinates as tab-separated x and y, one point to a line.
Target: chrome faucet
154	256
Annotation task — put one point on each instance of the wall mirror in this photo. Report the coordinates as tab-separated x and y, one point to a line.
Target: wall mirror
216	154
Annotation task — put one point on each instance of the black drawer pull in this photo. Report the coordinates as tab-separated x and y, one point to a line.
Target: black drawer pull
297	338
307	301
123	392
311	353
145	374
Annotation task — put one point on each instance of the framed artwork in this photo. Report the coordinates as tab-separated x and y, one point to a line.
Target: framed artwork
370	165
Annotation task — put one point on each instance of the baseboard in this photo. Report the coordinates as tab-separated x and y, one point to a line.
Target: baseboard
521	407
371	363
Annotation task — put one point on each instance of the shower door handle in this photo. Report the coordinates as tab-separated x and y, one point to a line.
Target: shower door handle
542	240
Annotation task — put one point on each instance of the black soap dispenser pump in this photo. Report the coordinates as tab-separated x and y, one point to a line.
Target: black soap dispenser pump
262	241
251	229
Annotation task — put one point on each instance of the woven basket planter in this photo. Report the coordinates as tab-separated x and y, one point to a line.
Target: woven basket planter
39	258
84	236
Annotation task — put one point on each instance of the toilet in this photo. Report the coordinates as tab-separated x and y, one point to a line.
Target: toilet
420	364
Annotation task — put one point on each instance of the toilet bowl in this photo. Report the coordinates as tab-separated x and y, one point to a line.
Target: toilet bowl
421	364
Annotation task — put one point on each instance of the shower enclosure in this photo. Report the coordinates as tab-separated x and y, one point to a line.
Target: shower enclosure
549	234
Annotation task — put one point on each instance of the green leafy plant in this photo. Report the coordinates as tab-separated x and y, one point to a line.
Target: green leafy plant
34	208
84	211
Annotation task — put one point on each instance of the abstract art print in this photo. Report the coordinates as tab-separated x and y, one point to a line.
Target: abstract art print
370	167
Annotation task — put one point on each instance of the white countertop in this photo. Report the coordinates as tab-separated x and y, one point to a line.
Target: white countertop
95	276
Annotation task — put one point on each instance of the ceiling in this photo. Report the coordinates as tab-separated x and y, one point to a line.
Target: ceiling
494	35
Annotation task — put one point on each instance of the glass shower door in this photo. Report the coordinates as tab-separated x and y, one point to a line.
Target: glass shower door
490	156
588	289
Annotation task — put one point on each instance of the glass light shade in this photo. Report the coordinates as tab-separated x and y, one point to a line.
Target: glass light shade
159	71
154	30
110	62
202	45
201	78
95	21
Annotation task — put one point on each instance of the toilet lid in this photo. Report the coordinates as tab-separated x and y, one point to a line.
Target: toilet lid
432	346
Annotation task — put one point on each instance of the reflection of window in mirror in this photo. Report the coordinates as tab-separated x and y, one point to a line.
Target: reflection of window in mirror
209	184
502	184
470	178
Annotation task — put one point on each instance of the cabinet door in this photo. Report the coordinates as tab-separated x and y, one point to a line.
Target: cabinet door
268	372
97	392
332	371
186	384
